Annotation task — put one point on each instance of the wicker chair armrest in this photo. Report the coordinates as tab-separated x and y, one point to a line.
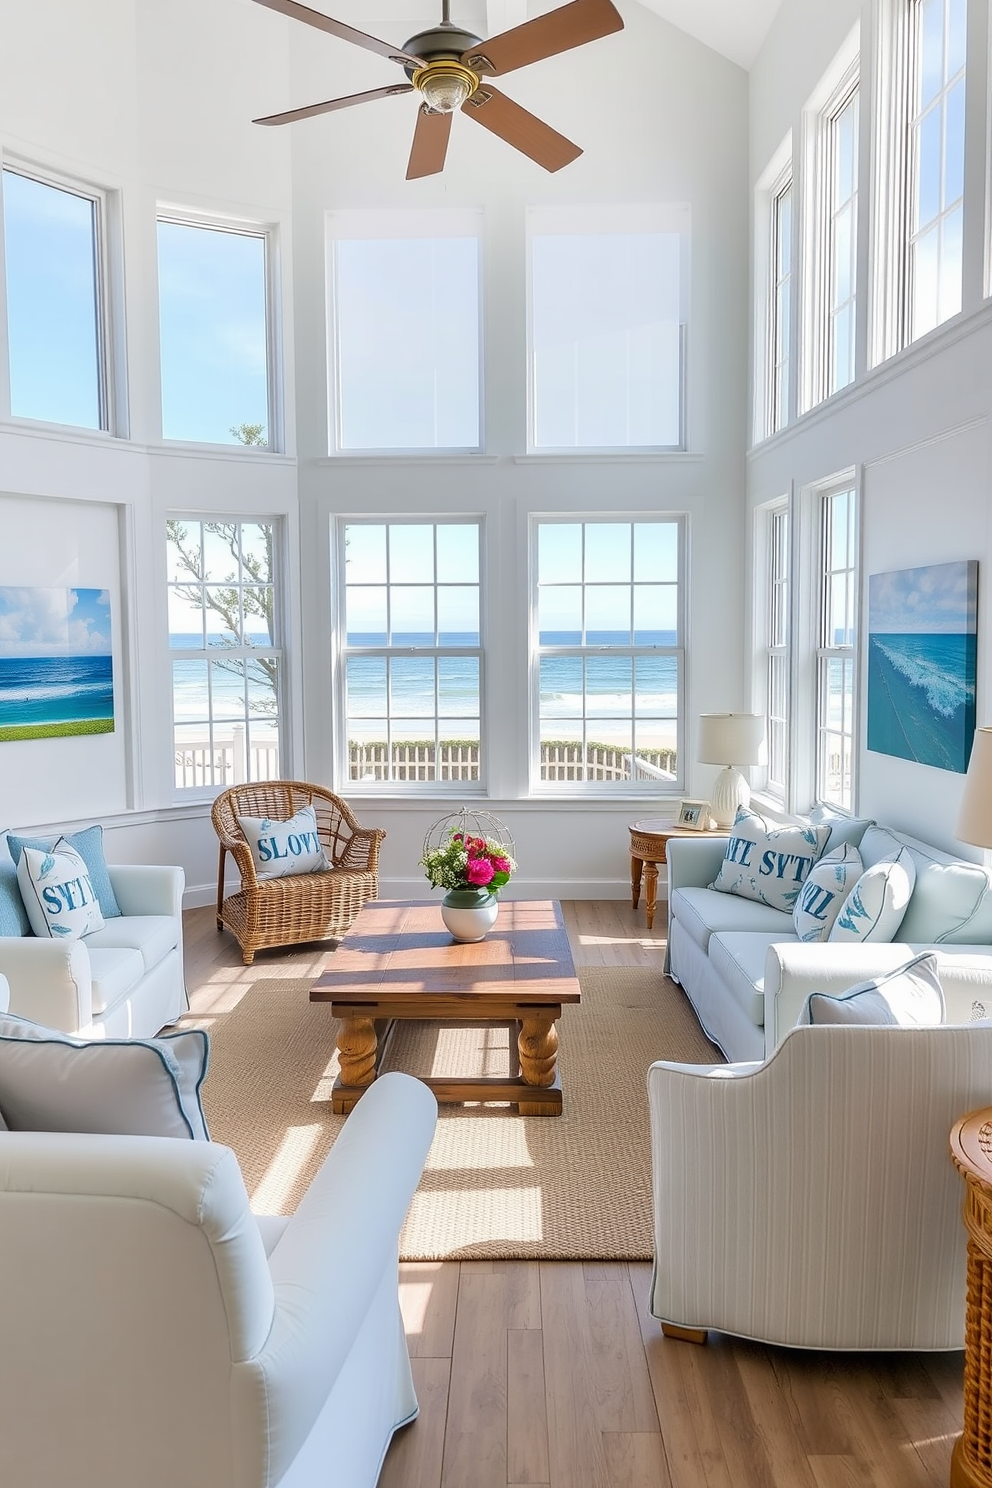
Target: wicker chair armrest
241	853
362	849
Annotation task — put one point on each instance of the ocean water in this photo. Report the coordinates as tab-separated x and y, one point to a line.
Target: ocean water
55	689
921	698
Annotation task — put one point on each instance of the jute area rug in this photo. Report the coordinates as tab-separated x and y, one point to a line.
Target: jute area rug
496	1185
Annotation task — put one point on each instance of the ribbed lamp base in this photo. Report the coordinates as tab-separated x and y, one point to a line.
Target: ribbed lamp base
730	791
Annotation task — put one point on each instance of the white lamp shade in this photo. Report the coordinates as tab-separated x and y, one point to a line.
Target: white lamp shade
730	738
975	815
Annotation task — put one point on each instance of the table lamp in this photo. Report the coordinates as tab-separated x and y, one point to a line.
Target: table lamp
975	816
730	739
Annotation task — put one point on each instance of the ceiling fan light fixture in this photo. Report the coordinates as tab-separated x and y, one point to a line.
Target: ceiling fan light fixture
445	85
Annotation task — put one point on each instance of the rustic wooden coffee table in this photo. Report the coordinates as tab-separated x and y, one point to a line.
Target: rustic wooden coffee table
398	961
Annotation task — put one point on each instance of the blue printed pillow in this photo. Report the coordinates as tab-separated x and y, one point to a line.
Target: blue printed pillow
769	863
282	848
89	845
58	893
875	907
827	886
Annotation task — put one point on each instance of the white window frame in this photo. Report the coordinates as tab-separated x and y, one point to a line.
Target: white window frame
277	651
776	177
269	233
109	298
645	785
774	627
343	651
829	652
893	149
442	222
592	221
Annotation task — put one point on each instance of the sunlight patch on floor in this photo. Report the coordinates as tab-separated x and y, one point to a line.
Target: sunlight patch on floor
508	1149
280	1177
469	1219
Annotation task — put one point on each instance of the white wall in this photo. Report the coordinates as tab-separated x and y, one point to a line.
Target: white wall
916	430
154	100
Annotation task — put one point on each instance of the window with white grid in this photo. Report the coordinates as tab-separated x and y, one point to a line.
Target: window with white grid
835	654
777	657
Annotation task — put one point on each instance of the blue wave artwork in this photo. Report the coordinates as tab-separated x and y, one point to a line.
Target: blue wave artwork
922	663
56	663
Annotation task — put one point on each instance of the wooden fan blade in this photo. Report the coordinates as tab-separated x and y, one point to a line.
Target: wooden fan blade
338	28
522	130
291	115
430	144
557	31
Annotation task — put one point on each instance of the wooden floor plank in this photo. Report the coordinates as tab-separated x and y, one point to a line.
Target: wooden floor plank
523	1292
625	1401
772	1411
475	1439
636	1459
526	1408
575	1440
428	1299
416	1452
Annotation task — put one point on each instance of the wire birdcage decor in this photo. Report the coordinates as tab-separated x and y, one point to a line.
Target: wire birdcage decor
470	824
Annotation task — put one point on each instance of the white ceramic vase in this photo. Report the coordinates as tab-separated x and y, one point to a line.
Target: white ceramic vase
469	914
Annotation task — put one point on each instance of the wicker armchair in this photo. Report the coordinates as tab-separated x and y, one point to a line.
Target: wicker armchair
309	906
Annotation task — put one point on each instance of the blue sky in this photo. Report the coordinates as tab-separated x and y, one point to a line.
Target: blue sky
54	622
939	599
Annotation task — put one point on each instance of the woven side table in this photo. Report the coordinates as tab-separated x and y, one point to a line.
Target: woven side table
971	1151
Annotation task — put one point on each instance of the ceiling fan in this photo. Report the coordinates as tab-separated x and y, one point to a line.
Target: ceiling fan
450	67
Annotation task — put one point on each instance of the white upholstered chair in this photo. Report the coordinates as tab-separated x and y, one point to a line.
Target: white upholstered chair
810	1200
155	1333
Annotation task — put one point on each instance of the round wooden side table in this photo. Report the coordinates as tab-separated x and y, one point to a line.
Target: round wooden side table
971	1151
648	848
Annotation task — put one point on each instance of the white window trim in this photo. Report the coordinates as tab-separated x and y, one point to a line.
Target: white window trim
436	789
619	218
604	790
770	185
766	518
819	123
442	222
274	362
109	284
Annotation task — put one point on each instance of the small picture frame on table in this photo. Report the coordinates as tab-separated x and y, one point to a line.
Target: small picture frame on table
694	815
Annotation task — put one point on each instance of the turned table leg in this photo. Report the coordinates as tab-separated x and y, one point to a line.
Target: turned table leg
650	892
636	868
357	1043
537	1047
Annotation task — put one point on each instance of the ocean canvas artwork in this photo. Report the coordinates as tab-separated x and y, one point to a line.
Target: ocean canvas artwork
56	663
922	651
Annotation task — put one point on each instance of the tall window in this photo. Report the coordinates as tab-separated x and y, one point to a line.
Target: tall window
213	334
835	656
607	638
412	654
606	328
777	655
840	142
224	635
55	301
406	330
780	305
936	163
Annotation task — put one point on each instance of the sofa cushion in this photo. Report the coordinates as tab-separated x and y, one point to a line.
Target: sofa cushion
89	845
13	916
58	892
154	936
910	996
281	849
50	1081
738	958
952	899
702	911
875	907
115	973
822	895
769	863
843	828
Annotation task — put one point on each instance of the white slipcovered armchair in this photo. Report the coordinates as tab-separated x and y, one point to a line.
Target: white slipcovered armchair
155	1333
810	1200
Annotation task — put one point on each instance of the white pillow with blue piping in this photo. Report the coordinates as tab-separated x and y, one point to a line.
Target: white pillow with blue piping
280	849
827	885
874	909
910	996
50	1081
58	893
769	863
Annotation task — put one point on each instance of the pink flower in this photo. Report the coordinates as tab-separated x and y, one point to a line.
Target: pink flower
479	871
500	865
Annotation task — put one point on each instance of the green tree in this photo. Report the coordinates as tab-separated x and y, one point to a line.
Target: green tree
250	434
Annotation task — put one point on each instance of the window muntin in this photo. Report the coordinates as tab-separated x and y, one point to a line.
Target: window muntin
227	658
412	654
55	301
835	655
405	302
606	329
936	133
607	645
213	332
780	303
778	653
841	163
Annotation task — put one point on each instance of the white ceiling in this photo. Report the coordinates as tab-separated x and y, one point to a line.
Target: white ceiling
735	28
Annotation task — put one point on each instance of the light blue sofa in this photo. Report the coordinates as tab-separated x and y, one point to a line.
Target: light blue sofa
748	975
